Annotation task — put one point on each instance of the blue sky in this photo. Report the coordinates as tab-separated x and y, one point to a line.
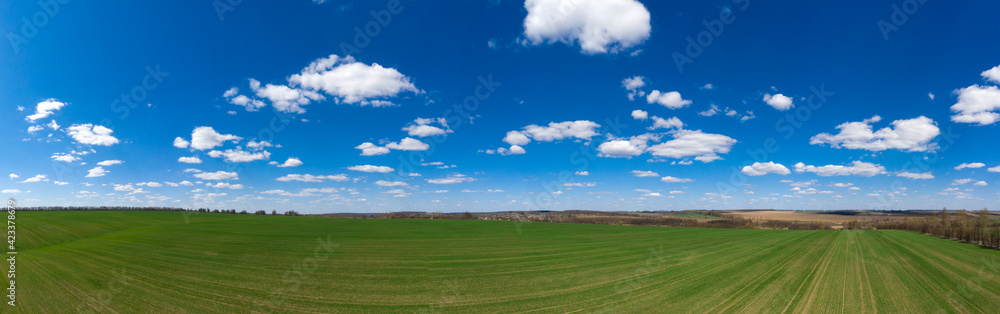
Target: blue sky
501	105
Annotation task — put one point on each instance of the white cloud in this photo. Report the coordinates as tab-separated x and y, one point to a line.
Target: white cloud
150	184
11	191
669	179
408	143
239	155
37	178
762	168
290	162
711	111
390	183
53	125
45	108
217	176
249	104
670	100
312	178
353	82
961	181
704	147
911	135
581	129
65	157
92	134
970	165
915	176
514	150
930	95
622	148
992	75
13	176
580	184
181	143
981	183
369	149
673	122
190	160
858	168
452	179
994	169
644	174
639	114
284	98
370	168
608	26
516	138
96	172
422	127
35	128
582	173
633	85
224	185
110	162
779	101
977	104
205	137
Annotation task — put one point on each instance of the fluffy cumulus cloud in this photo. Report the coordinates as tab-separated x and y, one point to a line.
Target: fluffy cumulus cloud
762	168
972	165
580	129
704	147
977	104
915	176
370	168
598	26
369	149
425	127
233	97
205	137
313	178
97	172
290	162
661	123
672	100
408	143
37	178
239	155
911	135
644	174
180	142
65	157
44	109
452	179
624	148
217	176
190	160
634	85
639	114
857	168
779	101
352	82
992	75
92	134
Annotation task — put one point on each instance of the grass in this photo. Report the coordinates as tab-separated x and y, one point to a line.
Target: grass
140	261
696	216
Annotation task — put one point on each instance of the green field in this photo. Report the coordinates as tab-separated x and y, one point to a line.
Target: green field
169	262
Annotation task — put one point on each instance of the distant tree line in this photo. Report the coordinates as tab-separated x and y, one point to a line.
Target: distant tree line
975	228
161	209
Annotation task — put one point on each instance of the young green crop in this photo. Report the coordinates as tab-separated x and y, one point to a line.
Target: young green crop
174	262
